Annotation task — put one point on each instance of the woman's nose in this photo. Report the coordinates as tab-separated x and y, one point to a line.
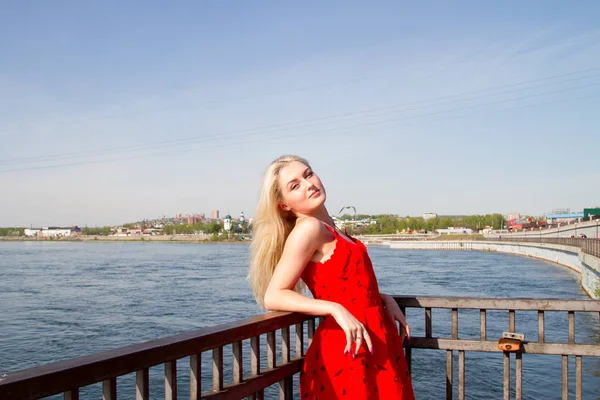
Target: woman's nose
307	184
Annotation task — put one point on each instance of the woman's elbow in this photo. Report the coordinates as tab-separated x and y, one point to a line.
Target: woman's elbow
269	301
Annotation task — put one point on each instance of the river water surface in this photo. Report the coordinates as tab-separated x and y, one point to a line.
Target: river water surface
60	300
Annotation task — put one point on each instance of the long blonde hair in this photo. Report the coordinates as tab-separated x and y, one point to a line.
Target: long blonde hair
270	229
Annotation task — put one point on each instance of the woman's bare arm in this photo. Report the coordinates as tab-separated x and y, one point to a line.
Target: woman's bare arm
307	237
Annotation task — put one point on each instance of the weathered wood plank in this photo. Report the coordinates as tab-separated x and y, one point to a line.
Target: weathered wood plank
299	340
171	380
252	385
428	330
519	377
72	394
455	323
482	324
506	375
511	321
449	371
142	384
571	327
491	346
461	375
195	376
565	377
578	378
519	304
541	326
237	362
109	389
62	376
311	330
271	350
217	369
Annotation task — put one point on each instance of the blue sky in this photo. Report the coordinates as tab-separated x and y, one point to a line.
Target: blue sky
117	111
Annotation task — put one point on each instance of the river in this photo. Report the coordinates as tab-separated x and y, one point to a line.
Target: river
60	300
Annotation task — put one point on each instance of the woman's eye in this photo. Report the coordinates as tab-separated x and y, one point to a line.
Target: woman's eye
309	174
294	187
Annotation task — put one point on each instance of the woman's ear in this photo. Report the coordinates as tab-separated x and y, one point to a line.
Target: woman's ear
284	207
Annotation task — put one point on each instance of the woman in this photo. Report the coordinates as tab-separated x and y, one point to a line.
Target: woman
356	352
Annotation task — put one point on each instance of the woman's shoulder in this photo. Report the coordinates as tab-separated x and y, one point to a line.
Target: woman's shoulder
309	228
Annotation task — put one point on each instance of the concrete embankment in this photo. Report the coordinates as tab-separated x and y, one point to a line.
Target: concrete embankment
572	257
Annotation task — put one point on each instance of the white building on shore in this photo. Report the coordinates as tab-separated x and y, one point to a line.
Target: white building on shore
53	231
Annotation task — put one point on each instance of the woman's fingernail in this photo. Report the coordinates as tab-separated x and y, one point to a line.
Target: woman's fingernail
371	350
345	352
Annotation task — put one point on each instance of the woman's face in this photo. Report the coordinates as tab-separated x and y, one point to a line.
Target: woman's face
301	189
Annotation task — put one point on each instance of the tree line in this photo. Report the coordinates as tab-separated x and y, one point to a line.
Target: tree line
390	223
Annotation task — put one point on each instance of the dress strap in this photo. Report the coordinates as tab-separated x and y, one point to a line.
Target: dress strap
330	228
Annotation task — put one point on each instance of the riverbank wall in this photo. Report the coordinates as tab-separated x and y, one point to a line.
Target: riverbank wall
572	257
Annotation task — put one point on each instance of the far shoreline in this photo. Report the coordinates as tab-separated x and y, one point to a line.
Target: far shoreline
199	239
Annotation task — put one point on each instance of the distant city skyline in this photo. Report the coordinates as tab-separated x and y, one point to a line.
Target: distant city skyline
114	112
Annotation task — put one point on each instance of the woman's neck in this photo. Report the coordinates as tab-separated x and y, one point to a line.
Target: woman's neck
322	215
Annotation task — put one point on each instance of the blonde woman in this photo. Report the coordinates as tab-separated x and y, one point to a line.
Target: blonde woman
356	352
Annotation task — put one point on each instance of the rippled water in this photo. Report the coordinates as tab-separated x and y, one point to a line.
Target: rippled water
64	300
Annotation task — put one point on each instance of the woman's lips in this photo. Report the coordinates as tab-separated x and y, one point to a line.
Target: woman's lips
315	193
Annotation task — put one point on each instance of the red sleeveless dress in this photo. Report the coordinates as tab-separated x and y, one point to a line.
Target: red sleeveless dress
348	278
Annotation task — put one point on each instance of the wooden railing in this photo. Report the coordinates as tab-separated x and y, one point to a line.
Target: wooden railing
69	376
484	344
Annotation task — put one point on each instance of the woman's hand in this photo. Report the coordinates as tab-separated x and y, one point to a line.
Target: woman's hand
394	311
354	329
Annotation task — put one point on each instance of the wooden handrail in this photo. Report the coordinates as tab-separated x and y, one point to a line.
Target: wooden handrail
521	304
65	375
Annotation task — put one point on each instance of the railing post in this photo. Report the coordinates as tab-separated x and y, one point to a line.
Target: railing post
519	376
482	324
299	340
461	375
171	380
565	377
271	350
285	385
238	364
217	369
428	331
540	326
255	364
449	374
506	356
109	389
195	376
578	378
142	385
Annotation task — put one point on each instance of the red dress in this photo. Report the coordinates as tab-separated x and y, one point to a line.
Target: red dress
348	278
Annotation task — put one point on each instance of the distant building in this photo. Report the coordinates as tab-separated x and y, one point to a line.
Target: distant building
53	231
242	218
513	216
453	230
227	223
194	219
563	218
214	214
561	211
427	216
